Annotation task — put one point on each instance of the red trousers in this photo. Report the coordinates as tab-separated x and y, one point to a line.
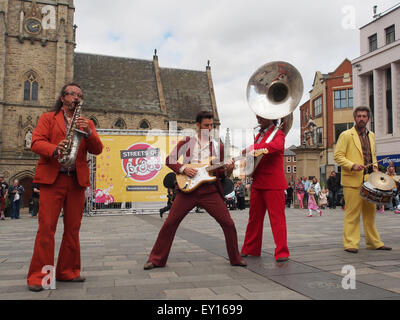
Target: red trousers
68	194
208	197
274	202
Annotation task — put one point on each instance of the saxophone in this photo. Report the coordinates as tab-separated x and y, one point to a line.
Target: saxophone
74	135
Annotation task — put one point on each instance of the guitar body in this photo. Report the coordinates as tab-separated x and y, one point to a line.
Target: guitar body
187	184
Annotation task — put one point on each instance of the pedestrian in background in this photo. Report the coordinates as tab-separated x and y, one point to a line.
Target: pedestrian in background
3	196
240	192
15	196
35	199
300	192
333	187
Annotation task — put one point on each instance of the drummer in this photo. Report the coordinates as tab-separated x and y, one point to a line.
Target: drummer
356	167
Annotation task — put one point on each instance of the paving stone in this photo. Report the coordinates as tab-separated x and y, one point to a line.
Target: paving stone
115	248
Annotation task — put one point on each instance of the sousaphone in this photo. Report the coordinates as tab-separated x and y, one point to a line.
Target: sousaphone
274	92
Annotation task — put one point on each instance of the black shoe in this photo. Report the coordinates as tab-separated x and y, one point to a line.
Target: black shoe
161	213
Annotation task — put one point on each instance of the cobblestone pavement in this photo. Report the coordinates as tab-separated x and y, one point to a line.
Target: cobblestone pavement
115	248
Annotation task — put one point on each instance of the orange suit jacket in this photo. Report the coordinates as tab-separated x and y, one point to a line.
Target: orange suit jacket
49	131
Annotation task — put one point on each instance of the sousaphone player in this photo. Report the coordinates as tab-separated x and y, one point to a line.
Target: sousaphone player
273	93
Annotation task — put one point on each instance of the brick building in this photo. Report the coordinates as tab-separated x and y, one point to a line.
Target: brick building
331	108
289	165
37	57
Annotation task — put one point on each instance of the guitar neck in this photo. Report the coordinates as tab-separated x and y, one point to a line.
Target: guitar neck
221	164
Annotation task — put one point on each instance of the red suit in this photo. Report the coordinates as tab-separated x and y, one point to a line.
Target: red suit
208	196
267	193
59	190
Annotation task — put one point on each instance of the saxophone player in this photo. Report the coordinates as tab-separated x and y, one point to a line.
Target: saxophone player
61	187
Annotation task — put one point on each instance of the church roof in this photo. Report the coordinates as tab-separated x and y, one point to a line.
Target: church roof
129	85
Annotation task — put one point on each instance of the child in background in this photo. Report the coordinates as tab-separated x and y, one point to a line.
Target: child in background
323	198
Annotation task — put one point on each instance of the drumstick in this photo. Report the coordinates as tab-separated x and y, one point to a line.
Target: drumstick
371	164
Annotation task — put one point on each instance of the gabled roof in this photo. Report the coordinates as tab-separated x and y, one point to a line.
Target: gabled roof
129	85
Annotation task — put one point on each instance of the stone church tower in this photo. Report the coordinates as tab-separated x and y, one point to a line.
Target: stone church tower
37	58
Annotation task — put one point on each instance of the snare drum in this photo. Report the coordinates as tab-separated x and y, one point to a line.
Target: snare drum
370	193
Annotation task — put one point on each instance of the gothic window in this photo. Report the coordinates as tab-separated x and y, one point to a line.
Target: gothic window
120	124
31	88
95	122
144	125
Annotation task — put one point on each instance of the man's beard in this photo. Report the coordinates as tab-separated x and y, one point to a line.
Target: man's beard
361	125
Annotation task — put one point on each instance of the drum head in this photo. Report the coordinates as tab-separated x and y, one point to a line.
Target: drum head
227	186
170	180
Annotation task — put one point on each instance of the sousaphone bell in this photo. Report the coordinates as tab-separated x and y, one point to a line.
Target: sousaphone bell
274	92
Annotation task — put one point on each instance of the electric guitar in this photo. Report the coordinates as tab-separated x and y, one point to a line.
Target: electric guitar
187	184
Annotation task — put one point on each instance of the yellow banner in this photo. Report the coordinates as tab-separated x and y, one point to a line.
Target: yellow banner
132	168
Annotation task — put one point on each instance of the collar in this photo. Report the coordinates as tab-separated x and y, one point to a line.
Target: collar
360	133
263	132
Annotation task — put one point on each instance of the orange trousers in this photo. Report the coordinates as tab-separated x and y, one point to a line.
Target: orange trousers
65	193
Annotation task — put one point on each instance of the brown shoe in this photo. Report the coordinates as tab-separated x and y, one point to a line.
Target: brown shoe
241	263
35	288
384	248
352	250
149	265
77	279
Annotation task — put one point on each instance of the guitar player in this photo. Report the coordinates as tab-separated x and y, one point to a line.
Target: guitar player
197	149
267	193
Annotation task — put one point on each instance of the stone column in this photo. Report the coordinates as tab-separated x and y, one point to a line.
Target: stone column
379	103
396	98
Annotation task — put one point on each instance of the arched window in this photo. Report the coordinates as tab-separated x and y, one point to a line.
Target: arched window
95	122
144	125
120	124
31	87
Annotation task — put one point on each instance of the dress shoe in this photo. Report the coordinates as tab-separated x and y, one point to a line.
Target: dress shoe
35	288
149	265
352	250
77	279
384	248
244	255
282	259
241	263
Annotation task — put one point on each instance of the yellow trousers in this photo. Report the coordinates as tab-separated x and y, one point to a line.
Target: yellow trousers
354	205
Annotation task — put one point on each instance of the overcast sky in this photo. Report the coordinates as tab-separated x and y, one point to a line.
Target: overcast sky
237	36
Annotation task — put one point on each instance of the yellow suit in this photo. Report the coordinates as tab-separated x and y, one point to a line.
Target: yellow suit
347	153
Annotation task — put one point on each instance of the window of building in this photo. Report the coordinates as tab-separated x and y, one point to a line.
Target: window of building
95	122
288	169
318	107
144	125
319	136
294	169
390	36
31	88
294	158
340	127
371	102
120	124
373	42
343	98
389	108
340	99
350	98
287	159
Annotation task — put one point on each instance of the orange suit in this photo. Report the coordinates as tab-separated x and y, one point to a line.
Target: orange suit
59	190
